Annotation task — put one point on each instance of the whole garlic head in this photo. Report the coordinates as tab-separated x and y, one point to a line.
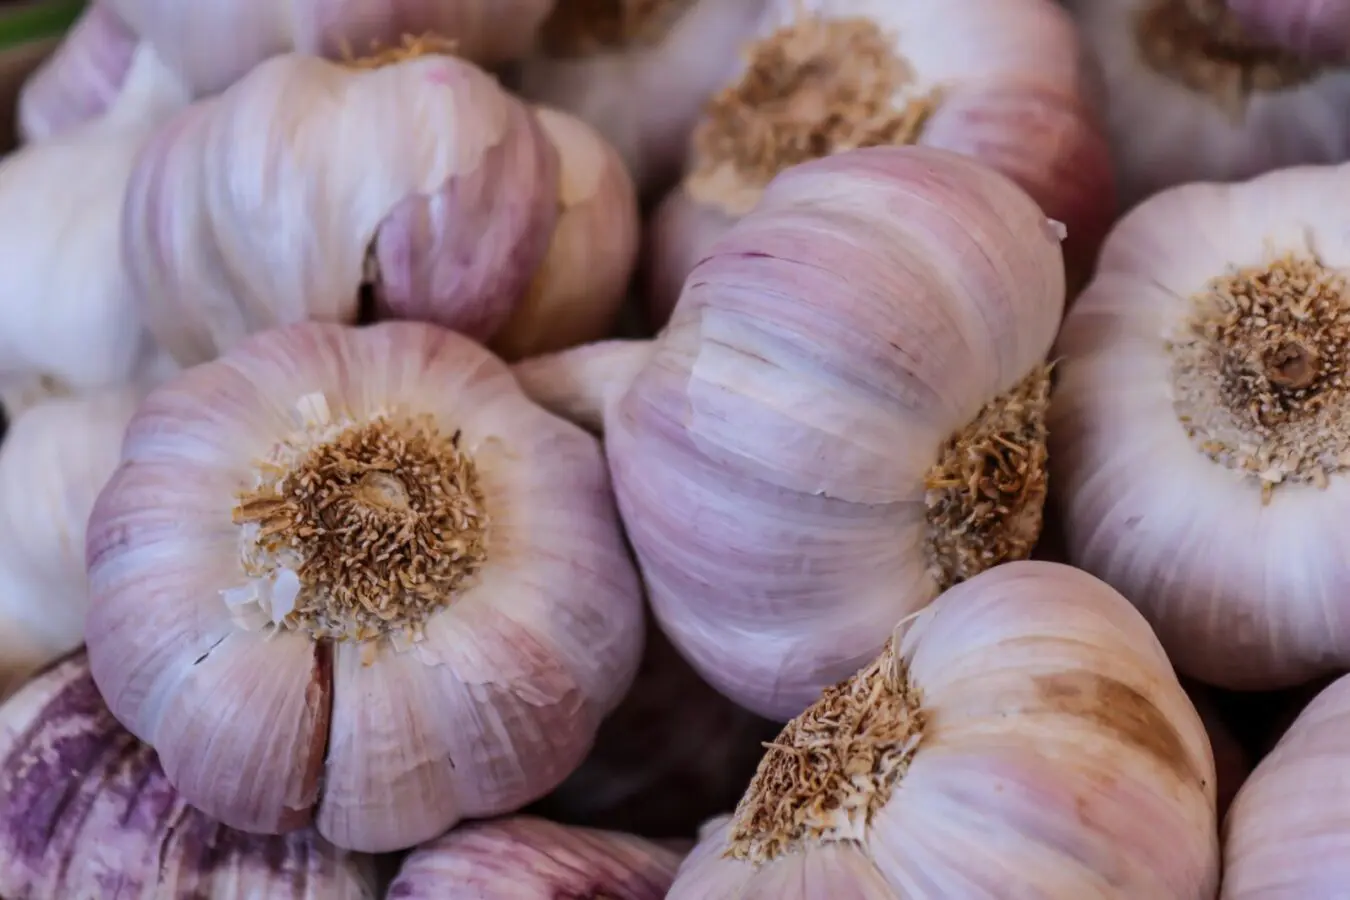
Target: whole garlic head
85	811
1023	737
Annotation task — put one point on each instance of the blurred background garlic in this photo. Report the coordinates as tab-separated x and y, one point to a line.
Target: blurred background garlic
1200	427
353	575
1192	96
526	858
85	811
797	463
1315	29
1000	80
1022	737
639	71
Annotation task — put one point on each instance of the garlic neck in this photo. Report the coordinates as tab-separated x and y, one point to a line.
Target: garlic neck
411	47
581	28
811	89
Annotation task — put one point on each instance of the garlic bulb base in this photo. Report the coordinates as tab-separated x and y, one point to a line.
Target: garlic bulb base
377	56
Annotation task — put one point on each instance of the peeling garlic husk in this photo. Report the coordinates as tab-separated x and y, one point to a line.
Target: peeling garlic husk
527	858
245	562
999	80
1170	387
1317	29
85	811
422	179
1024	736
642	83
1269	110
791	453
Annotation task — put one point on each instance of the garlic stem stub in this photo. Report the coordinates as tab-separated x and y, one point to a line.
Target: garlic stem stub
527	858
85	811
844	417
999	80
1024	736
413	174
354	576
1315	29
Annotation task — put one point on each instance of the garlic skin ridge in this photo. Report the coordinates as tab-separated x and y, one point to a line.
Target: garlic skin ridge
396	174
388	742
85	811
1319	29
1049	732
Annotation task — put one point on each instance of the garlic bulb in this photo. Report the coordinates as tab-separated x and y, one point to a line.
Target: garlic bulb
794	454
85	811
1000	80
353	575
276	201
1199	426
1023	737
1286	834
1232	763
1192	97
1319	29
525	858
639	71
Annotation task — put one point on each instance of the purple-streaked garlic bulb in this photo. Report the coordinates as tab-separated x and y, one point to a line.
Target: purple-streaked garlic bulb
526	858
86	812
1286	835
1315	29
844	416
640	71
1000	80
354	576
1023	737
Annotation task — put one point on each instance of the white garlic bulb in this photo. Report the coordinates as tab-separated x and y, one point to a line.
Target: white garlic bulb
1024	736
1191	96
353	575
85	812
1199	425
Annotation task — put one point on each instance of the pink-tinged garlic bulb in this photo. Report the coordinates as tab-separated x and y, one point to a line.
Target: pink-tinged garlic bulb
278	200
844	417
526	858
1000	80
1201	422
1316	29
86	812
1192	96
1287	835
353	575
640	71
1023	737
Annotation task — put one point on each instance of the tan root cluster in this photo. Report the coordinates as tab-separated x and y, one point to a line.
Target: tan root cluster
410	47
580	28
834	766
812	89
1259	376
986	493
1201	45
381	523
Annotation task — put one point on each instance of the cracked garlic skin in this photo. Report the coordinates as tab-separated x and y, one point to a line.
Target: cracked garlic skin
999	80
276	201
639	71
86	812
1315	29
354	576
1199	425
793	455
527	858
1023	737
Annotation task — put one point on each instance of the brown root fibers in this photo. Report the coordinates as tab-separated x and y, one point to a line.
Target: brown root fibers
580	28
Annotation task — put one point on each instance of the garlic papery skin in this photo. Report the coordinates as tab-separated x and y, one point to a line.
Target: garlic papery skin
276	201
791	455
1187	101
578	290
999	80
527	858
354	575
1205	362
640	72
1317	29
85	811
1024	736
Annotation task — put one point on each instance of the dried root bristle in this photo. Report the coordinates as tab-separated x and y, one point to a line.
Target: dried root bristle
580	28
381	522
410	47
986	493
814	88
1201	45
833	767
1259	374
